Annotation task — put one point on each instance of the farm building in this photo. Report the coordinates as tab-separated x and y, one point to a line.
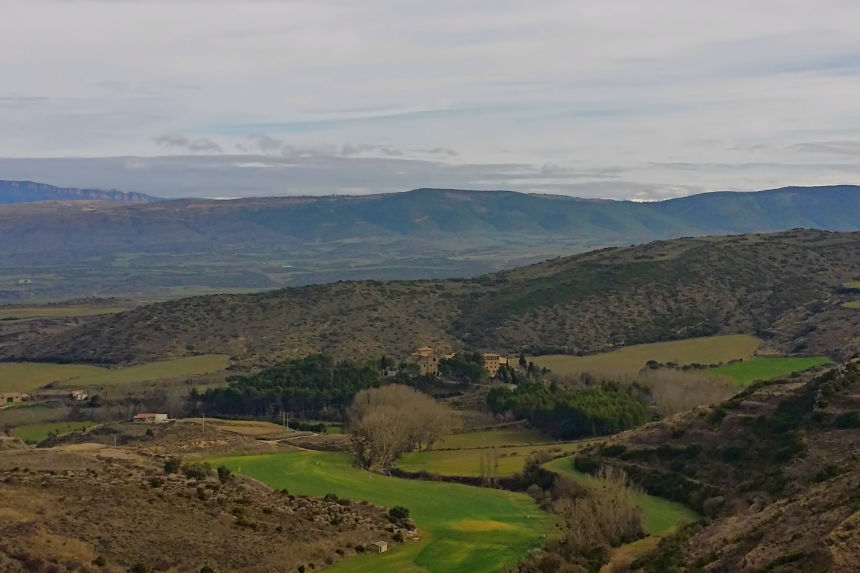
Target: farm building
427	360
13	398
149	418
379	547
492	362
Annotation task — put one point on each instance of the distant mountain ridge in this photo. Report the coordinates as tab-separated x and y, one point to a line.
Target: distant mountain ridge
29	191
190	246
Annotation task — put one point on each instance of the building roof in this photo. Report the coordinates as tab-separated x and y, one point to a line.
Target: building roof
147	415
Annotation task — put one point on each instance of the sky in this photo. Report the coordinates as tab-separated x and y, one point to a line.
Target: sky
594	98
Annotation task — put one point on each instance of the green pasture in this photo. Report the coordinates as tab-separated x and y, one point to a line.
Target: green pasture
462	528
511	460
29	376
35	433
490	438
853	284
659	516
852	304
748	371
707	350
32	413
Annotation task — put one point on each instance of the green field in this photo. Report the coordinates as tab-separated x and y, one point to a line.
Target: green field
462	528
748	371
511	460
35	433
854	284
490	438
28	376
659	516
708	350
56	311
852	304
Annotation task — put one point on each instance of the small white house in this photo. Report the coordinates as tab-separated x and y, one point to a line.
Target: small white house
149	418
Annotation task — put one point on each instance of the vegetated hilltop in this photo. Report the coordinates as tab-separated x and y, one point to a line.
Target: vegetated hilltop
158	248
785	287
28	192
776	467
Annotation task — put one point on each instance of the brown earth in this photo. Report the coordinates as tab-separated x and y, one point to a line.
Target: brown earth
94	507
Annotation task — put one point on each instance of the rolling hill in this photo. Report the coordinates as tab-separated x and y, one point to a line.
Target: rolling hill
176	248
783	287
769	466
29	192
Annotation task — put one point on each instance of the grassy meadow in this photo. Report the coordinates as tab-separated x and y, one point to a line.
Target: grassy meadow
29	376
748	371
706	350
511	459
462	528
492	438
35	433
852	304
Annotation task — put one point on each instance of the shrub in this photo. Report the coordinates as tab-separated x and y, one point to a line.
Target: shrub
224	474
172	465
398	512
197	471
847	420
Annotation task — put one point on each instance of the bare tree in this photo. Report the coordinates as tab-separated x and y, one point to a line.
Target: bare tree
393	420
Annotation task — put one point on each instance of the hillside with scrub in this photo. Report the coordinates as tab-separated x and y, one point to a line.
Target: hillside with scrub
786	288
774	468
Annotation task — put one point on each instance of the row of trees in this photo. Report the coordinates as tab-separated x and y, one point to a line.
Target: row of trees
567	414
394	420
311	386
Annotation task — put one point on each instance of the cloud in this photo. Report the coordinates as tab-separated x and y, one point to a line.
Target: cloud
172	140
199	145
542	95
831	147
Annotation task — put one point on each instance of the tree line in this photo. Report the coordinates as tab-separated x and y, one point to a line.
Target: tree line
567	414
312	386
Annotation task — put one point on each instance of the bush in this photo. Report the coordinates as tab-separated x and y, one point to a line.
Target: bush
398	512
224	474
847	420
172	465
197	471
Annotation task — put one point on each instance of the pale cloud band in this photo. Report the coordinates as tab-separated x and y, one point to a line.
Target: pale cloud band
624	99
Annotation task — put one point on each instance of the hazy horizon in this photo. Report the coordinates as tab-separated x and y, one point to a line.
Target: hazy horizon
631	101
